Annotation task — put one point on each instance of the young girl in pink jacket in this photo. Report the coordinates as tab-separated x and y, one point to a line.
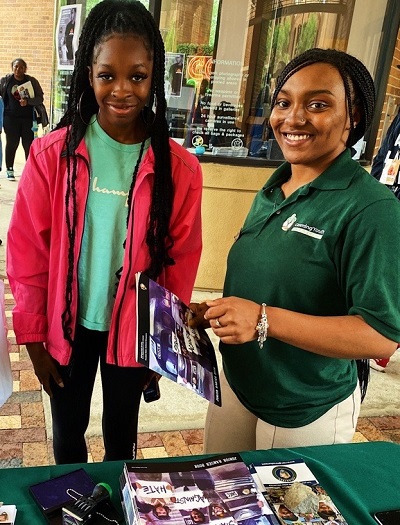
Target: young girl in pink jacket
105	195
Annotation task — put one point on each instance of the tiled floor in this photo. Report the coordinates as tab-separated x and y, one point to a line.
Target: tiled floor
23	439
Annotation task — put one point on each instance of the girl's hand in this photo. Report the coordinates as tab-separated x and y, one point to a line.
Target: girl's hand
45	366
149	376
233	320
198	319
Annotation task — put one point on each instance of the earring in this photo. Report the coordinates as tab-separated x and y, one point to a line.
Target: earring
146	113
79	107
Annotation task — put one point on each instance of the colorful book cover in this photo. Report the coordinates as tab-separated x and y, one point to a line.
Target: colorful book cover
167	345
295	494
218	490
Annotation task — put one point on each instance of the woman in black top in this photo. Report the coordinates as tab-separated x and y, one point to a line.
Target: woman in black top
19	102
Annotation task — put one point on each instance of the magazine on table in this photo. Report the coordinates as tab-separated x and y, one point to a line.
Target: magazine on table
167	345
295	494
218	490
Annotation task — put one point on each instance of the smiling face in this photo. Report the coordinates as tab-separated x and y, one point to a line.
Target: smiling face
120	76
310	118
323	507
218	511
285	513
19	69
197	516
161	511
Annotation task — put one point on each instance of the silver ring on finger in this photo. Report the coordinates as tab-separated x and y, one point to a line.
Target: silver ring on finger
217	323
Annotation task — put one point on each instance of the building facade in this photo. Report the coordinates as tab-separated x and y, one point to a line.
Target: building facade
222	61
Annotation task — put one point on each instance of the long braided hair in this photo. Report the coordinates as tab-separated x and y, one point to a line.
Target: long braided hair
121	17
360	93
358	84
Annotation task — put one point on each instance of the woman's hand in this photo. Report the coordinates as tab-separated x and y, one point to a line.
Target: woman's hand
44	366
23	102
233	320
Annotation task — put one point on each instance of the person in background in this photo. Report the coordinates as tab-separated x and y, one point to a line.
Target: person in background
176	75
18	111
1	129
312	285
1	145
69	34
386	164
386	169
105	195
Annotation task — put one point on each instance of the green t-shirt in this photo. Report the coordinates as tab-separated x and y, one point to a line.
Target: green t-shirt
330	249
111	168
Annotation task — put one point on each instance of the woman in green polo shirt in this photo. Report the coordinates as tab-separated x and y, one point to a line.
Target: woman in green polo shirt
313	283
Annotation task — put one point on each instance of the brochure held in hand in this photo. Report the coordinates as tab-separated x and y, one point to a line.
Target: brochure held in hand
166	344
26	90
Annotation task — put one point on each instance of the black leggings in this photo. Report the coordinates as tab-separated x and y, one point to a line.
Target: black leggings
70	406
17	129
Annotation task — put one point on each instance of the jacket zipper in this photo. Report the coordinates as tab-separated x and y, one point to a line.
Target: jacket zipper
118	314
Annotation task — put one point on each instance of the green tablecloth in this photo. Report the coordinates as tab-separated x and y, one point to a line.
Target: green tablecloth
361	478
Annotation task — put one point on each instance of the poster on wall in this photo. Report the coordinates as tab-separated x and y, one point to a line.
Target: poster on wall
67	35
173	74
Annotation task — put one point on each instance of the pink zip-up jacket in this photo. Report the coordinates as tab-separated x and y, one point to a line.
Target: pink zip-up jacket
37	246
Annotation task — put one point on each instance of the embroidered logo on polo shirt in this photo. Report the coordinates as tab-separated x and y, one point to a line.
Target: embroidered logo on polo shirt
294	226
311	231
289	222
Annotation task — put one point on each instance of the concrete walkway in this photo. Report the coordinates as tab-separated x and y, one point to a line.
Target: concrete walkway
7	197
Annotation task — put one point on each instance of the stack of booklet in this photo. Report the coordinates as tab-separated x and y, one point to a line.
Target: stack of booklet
218	490
222	490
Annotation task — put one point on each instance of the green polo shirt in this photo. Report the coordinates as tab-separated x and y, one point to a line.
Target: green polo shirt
331	248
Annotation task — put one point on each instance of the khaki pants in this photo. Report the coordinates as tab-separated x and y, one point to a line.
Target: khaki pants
232	428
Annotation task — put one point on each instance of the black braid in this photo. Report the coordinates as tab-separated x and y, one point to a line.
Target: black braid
124	17
360	92
358	84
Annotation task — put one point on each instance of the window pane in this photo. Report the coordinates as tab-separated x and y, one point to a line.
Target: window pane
224	56
63	68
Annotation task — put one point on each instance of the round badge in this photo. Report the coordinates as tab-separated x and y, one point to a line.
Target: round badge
285	474
237	143
197	140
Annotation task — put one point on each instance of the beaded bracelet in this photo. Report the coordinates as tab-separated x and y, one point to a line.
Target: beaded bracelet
262	326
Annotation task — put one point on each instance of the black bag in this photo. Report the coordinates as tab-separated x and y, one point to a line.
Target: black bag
41	115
